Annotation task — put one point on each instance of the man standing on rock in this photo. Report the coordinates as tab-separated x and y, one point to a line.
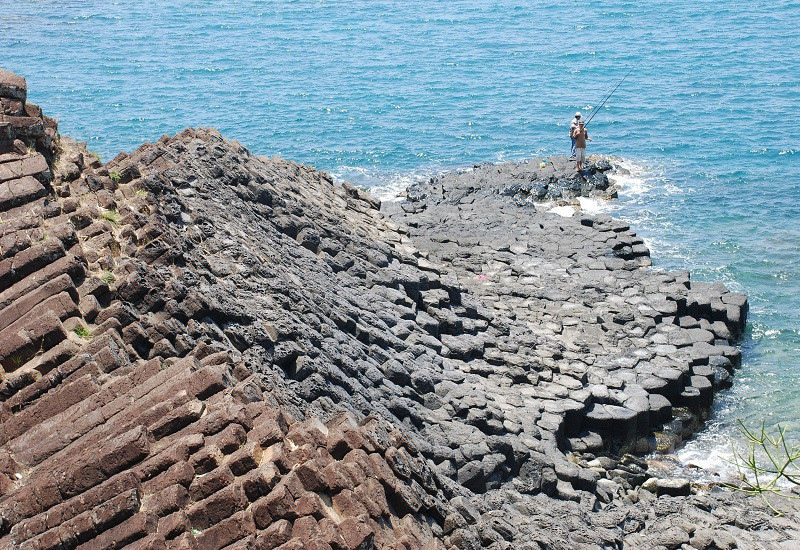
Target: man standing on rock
580	136
572	126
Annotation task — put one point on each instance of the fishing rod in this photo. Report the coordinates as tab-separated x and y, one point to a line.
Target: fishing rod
601	102
609	94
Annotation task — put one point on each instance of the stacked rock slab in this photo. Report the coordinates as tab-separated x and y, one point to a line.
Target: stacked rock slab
613	347
22	124
102	446
256	357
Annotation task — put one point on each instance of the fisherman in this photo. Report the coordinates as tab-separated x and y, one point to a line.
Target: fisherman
580	136
572	126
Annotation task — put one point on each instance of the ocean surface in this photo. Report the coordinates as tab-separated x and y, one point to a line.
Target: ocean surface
385	93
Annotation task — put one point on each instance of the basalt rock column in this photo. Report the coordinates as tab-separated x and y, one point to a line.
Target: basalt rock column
264	359
22	124
112	438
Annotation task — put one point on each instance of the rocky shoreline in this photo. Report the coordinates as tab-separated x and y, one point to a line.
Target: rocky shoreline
202	348
578	286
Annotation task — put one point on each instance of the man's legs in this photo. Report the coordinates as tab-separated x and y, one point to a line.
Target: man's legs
580	156
572	151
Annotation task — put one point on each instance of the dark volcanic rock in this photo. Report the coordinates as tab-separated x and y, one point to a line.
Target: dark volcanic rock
140	396
203	349
526	182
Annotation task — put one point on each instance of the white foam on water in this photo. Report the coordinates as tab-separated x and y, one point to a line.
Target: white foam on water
709	453
595	206
649	243
711	458
395	188
384	185
635	182
630	185
563	211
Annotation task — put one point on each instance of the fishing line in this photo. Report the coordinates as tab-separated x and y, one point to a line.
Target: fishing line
609	94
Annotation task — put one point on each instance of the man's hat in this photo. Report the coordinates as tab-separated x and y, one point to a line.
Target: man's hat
580	122
578	114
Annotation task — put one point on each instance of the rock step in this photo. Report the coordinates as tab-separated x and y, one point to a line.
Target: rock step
202	473
23	124
16	176
511	268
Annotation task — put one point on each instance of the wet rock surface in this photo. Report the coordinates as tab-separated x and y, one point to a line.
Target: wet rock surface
202	348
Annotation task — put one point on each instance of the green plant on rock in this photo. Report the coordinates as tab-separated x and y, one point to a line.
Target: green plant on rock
95	154
83	332
112	216
140	193
107	277
769	464
17	360
115	176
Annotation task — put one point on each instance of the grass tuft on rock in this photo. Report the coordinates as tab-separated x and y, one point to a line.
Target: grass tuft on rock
83	332
112	216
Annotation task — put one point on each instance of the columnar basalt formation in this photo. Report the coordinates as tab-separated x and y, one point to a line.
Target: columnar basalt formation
617	350
110	437
22	124
202	348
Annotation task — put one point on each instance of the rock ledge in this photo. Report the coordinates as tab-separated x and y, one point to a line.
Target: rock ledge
202	348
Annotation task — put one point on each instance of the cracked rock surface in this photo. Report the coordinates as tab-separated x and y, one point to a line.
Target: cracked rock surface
202	348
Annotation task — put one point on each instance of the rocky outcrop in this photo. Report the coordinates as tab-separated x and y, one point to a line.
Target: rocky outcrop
122	427
529	182
206	349
22	124
617	351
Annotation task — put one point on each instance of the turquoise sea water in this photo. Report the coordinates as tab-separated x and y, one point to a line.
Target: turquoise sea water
381	93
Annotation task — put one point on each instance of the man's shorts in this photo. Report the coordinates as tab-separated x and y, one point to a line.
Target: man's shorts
580	154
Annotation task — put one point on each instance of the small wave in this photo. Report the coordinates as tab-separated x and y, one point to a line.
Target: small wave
630	184
709	455
712	457
384	185
649	243
594	206
633	178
